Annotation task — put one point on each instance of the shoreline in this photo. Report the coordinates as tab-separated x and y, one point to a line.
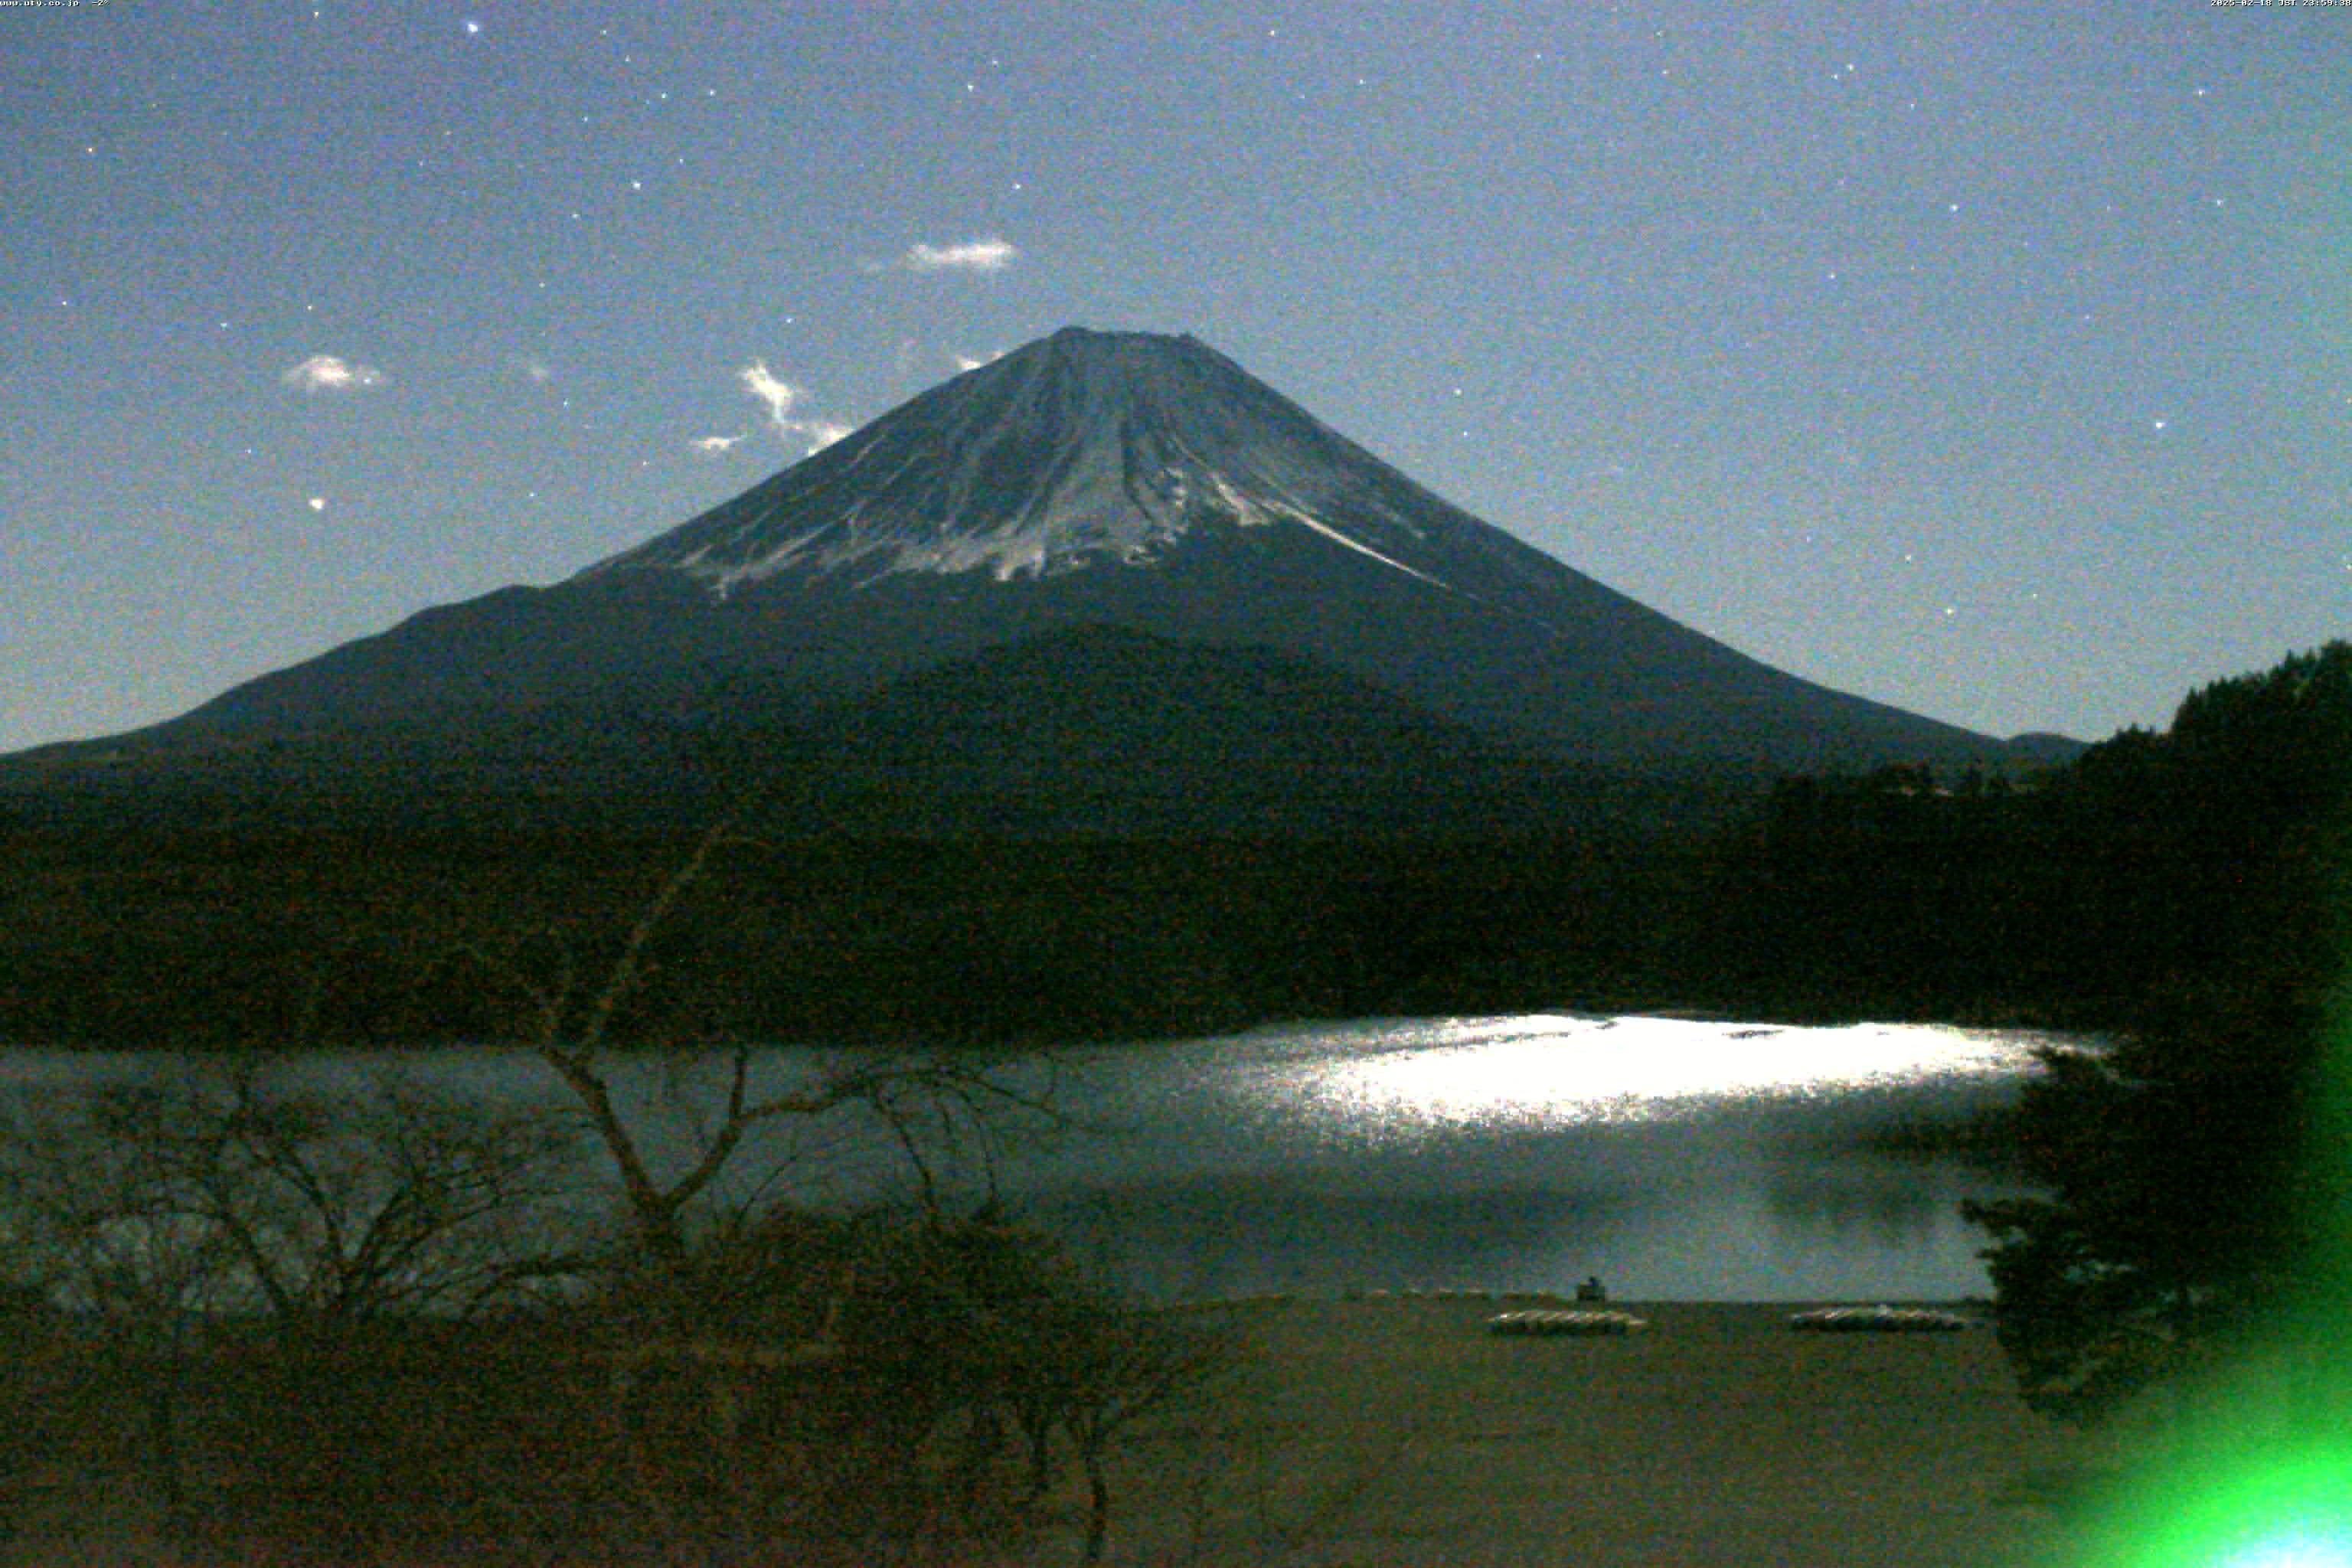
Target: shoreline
1396	1430
1978	1304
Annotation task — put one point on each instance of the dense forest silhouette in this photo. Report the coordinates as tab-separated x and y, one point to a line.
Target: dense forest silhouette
2151	869
2154	869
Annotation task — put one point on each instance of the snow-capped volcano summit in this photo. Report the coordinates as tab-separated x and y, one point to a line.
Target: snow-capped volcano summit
1083	450
1121	480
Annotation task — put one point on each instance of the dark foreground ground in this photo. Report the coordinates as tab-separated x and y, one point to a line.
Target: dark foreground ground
1394	1430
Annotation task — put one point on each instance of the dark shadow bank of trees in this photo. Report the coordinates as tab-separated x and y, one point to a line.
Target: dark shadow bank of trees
2197	1174
2152	864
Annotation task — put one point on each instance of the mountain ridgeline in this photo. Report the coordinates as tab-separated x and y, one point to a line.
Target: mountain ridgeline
1093	478
1098	689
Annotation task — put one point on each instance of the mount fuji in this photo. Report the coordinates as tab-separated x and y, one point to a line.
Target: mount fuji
1090	479
1098	692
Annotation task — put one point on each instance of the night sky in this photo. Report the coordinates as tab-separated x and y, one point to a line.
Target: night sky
1993	361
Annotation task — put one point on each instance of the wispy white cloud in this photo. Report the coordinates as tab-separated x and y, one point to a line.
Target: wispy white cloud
973	362
771	389
781	397
533	369
989	255
329	373
716	445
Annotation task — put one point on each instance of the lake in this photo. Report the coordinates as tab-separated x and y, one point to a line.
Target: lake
1675	1159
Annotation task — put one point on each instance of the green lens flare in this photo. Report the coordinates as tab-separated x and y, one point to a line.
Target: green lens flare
2258	1472
2297	1552
2294	1511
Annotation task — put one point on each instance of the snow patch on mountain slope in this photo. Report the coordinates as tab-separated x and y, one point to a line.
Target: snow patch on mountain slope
1100	510
1259	513
1086	451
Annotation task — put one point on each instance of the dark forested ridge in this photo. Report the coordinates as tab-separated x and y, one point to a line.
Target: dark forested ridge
982	888
1096	831
2193	1189
160	937
2208	856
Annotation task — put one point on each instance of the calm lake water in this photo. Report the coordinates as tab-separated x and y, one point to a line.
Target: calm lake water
1675	1159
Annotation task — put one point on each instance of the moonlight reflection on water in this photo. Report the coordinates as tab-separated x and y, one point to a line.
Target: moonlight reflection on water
1678	1158
1547	1071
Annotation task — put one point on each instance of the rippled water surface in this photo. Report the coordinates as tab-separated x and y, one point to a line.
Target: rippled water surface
1676	1159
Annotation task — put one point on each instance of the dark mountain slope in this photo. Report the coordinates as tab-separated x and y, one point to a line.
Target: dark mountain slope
1108	730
